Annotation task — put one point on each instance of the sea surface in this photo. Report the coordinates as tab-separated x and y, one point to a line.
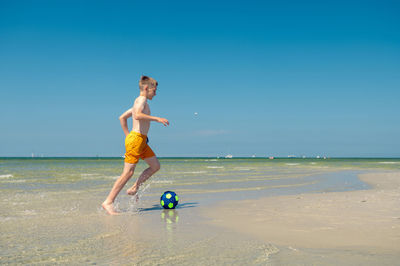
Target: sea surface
50	210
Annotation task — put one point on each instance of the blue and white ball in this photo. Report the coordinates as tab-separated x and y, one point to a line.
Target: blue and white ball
169	200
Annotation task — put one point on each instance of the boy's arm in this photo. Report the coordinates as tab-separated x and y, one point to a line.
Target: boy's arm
123	120
139	115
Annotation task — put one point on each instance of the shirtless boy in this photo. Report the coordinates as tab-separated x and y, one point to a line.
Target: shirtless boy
136	142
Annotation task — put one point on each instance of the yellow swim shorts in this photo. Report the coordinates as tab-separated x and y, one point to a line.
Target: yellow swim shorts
136	147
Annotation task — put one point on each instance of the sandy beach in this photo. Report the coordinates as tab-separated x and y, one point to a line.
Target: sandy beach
356	220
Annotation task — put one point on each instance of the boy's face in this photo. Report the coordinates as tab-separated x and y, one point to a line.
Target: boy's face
151	92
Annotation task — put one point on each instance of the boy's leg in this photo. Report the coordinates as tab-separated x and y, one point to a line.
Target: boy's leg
154	166
118	185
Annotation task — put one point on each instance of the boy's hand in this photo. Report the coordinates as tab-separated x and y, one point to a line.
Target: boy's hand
163	121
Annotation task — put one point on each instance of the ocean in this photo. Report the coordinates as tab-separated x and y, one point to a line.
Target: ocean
51	213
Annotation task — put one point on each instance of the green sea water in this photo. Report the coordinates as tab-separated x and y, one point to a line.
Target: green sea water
51	214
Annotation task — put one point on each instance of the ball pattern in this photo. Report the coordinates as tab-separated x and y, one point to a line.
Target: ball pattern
169	200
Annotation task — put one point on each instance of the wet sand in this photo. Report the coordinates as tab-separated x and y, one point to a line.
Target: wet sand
364	220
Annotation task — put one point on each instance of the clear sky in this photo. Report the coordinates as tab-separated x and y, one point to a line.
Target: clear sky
270	78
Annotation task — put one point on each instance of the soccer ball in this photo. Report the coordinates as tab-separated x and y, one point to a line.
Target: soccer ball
169	200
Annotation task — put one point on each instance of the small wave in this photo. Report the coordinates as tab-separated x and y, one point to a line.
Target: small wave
215	167
89	174
292	163
70	209
6	218
388	162
29	212
6	176
242	168
162	181
212	160
113	177
194	172
13	181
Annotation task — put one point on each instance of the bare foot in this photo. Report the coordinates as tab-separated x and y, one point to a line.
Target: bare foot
108	207
132	191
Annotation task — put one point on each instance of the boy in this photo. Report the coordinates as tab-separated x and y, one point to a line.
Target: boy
136	142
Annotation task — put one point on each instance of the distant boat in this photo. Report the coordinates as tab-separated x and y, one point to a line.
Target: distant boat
253	156
229	156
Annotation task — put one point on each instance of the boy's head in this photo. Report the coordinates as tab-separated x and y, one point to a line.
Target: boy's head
148	86
145	80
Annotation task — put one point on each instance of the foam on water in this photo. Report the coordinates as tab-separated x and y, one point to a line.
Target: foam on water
194	172
162	181
242	168
28	212
89	175
6	176
112	177
14	181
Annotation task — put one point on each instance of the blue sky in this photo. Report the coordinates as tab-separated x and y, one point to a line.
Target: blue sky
266	78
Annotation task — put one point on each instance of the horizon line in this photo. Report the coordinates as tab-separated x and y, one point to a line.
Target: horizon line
200	157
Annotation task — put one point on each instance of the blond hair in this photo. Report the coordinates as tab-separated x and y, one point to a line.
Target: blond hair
145	80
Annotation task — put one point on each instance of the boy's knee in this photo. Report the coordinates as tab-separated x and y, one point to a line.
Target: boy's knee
129	173
156	167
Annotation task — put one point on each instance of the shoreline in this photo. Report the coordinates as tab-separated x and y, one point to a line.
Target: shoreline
358	220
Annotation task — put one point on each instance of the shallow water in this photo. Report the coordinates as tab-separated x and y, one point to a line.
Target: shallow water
50	210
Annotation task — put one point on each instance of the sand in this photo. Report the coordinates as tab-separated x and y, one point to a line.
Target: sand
356	220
